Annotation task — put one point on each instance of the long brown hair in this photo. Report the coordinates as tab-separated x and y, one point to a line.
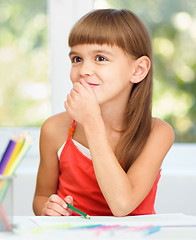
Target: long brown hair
125	30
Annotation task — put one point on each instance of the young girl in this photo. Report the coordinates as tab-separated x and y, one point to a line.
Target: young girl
104	154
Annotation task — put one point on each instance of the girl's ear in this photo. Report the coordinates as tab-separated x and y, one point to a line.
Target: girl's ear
142	66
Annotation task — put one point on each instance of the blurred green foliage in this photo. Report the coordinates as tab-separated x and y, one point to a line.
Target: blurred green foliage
24	92
172	26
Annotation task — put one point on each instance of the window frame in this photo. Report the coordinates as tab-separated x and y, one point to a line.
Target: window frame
62	15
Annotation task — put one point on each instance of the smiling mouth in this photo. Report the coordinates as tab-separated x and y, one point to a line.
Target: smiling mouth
92	85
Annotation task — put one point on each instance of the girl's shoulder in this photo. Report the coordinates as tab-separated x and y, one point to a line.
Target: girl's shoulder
56	129
157	122
162	129
61	121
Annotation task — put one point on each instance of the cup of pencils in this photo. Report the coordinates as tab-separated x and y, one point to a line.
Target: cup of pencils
6	202
15	151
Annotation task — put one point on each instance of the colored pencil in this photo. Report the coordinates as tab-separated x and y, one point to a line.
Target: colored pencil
13	156
26	144
4	218
78	211
7	154
4	186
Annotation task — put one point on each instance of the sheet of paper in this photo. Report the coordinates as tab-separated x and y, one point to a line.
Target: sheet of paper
158	227
157	219
94	228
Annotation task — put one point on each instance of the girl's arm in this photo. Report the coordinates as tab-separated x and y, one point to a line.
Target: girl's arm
122	191
47	178
125	191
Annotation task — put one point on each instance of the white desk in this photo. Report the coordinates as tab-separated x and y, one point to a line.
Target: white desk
173	226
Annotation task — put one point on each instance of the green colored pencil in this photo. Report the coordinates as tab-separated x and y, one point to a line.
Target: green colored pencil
78	211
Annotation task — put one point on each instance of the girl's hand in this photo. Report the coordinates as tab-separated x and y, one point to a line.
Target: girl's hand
55	206
81	103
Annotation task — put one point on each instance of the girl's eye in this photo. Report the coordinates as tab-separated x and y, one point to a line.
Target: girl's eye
76	59
100	59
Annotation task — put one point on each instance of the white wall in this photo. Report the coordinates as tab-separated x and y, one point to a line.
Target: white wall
176	189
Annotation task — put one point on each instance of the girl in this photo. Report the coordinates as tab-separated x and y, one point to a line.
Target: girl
108	162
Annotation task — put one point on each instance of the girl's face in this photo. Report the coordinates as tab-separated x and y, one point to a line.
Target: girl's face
107	69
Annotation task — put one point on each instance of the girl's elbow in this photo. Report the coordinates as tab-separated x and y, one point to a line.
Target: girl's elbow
122	209
119	214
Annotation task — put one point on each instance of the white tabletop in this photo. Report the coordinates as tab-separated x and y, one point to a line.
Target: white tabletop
172	226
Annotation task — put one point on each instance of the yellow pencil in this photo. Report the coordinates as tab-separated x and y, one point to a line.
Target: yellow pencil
13	156
26	144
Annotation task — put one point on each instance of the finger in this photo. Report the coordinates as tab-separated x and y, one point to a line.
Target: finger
85	85
69	99
66	106
69	199
51	212
73	96
69	212
68	109
47	211
57	208
56	199
73	93
77	87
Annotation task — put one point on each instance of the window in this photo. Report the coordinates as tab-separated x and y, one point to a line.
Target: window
34	64
25	90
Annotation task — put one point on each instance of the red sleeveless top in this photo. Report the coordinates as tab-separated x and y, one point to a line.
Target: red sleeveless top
77	179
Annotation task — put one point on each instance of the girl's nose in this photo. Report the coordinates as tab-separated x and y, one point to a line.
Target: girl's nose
86	69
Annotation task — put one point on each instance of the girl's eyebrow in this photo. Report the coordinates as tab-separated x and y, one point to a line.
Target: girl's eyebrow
96	51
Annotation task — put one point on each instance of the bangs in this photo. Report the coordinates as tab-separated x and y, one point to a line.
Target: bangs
100	28
113	27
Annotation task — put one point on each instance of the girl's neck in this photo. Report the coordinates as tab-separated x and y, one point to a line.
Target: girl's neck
113	111
113	117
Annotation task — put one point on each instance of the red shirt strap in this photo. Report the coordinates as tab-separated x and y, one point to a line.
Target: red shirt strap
71	130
